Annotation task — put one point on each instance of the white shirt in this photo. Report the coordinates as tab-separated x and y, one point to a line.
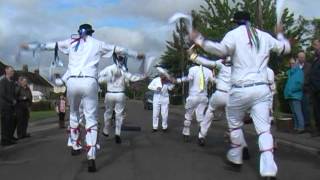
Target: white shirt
194	80
86	59
116	78
165	88
224	76
249	65
271	81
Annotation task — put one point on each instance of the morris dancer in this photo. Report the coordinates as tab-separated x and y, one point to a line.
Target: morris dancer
160	85
116	76
249	49
84	53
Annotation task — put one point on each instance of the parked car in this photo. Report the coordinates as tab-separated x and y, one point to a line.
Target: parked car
148	100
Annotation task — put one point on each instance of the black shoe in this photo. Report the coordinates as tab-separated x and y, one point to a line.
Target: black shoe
232	164
92	165
154	130
269	178
75	152
201	142
165	130
117	139
14	138
186	138
245	154
104	134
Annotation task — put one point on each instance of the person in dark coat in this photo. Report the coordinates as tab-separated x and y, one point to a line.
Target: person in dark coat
305	66
7	101
24	102
314	81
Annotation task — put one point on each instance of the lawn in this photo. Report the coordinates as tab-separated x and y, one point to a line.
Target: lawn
38	115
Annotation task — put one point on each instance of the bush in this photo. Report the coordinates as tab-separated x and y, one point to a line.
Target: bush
283	104
42	106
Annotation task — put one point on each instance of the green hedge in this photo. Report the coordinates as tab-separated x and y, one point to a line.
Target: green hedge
44	105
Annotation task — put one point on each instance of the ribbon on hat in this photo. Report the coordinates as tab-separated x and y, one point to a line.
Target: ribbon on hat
253	36
82	34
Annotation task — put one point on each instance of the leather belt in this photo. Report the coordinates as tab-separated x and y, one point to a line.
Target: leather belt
249	85
115	91
81	77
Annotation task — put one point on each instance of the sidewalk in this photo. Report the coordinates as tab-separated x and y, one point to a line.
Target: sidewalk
302	142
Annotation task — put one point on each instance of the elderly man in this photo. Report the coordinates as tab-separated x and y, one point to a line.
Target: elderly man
84	53
24	102
116	76
249	50
305	66
7	101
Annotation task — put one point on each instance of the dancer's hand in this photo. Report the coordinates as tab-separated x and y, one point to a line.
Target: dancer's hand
196	37
24	46
141	56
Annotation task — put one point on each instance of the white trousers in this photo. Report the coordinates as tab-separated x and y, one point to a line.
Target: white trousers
114	102
160	105
85	90
217	101
256	99
195	104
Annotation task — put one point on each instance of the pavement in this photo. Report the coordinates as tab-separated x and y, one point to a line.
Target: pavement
147	156
304	142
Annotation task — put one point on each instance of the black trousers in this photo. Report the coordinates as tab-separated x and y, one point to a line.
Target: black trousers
61	119
23	115
316	108
7	124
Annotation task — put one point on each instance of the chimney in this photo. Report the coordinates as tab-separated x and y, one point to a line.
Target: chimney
25	68
36	71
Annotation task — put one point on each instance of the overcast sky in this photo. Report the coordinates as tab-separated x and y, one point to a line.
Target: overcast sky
136	24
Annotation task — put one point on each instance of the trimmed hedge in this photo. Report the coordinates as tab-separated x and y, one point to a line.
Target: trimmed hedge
42	106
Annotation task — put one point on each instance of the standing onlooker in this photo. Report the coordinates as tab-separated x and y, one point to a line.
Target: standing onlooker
314	80
305	66
7	101
61	110
293	93
24	102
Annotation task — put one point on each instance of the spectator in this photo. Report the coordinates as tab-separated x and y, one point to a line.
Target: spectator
61	110
305	66
314	80
293	93
24	102
7	101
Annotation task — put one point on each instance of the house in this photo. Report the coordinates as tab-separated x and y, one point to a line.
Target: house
36	81
2	67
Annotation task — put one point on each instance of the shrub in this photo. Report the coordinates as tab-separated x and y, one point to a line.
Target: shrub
42	106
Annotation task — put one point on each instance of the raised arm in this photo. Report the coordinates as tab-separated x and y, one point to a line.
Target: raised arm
109	48
222	49
280	45
50	46
134	77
